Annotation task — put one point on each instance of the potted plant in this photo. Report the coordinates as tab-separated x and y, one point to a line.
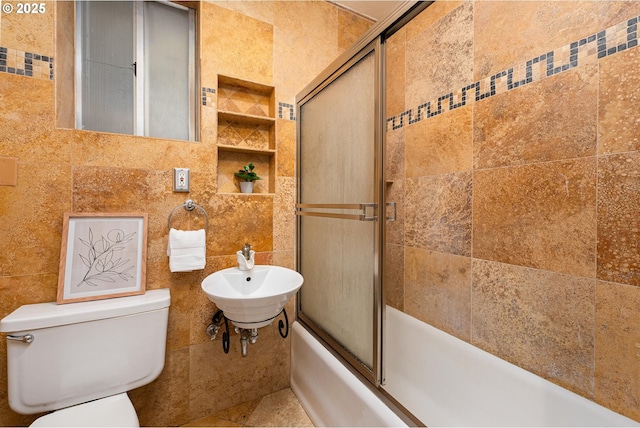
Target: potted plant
247	177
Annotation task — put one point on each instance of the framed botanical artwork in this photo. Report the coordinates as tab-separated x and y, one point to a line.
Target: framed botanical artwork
102	256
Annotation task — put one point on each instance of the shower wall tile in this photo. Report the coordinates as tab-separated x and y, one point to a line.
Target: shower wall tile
438	290
539	215
617	372
350	28
615	11
309	19
447	47
507	32
427	18
394	267
619	218
438	213
395	67
395	185
618	102
553	119
441	145
540	320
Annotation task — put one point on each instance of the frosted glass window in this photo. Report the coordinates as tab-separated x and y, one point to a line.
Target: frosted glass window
136	68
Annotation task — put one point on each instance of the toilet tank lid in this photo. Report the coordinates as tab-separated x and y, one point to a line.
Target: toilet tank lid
44	315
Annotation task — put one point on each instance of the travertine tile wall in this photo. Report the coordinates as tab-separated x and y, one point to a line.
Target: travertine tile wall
519	205
284	44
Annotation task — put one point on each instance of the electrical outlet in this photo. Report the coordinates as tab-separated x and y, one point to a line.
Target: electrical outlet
181	179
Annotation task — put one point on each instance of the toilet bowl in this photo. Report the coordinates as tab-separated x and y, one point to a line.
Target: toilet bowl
78	360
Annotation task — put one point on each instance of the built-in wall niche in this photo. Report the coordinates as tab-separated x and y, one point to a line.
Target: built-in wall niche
246	133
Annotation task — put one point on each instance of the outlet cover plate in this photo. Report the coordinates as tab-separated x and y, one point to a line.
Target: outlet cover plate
181	179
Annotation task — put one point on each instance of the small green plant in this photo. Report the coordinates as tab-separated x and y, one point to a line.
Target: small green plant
247	174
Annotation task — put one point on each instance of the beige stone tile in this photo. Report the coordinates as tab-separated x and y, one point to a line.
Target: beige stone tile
617	373
284	218
262	10
447	46
618	221
350	28
165	401
235	45
279	409
394	268
286	147
105	149
395	73
428	17
27	121
31	215
526	29
618	127
539	320
438	290
233	379
613	12
236	219
311	20
395	230
29	32
553	119
438	213
310	56
539	215
440	145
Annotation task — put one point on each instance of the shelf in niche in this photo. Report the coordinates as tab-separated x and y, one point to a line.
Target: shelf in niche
250	119
246	111
247	150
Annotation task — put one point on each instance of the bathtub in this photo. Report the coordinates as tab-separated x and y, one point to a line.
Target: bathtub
442	380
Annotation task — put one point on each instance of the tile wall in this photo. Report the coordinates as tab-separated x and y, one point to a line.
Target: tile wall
284	44
513	154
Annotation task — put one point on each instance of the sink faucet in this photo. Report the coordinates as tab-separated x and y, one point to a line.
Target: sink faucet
246	251
246	257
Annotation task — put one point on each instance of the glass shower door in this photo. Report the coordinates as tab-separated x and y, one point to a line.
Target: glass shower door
338	200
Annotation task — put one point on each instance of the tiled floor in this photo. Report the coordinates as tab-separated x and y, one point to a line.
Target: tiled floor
280	409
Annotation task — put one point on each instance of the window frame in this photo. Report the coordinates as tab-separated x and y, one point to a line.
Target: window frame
140	118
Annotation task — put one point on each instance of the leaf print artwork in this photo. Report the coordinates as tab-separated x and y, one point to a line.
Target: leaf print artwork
103	259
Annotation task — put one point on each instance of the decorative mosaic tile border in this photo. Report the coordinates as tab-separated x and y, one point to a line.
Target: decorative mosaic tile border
282	106
26	63
206	100
614	39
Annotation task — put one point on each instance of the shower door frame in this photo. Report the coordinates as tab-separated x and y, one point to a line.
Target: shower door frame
372	41
375	374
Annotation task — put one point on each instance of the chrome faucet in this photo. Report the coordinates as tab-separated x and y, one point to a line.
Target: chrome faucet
246	251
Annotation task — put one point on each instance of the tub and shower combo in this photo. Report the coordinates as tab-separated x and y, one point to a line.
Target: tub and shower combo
355	360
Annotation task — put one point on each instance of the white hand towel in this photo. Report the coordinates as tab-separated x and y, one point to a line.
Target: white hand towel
187	250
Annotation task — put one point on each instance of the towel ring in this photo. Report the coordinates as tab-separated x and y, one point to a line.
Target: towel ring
189	205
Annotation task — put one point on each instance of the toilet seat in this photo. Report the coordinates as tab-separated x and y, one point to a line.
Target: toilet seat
113	411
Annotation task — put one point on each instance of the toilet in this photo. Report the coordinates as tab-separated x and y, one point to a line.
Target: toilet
78	360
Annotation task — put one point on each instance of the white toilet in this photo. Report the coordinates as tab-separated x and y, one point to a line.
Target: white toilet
80	359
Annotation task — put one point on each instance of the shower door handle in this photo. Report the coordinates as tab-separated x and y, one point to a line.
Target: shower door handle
395	211
367	211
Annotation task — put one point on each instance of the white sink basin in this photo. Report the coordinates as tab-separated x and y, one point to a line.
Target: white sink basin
252	299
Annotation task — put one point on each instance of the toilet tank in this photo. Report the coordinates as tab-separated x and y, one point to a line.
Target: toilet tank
84	351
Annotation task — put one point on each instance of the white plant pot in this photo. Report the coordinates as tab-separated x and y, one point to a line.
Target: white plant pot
246	186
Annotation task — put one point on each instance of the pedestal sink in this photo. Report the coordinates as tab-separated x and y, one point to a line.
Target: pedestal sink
252	298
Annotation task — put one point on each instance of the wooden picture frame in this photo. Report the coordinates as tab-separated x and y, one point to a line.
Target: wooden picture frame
103	255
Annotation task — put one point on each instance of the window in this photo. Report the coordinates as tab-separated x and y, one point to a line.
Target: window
135	63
